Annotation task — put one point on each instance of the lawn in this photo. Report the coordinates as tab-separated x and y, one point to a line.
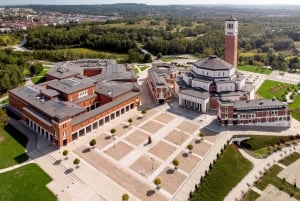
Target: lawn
254	69
25	183
38	79
167	59
136	70
270	177
295	108
12	147
5	101
260	146
225	174
250	196
142	68
290	159
270	89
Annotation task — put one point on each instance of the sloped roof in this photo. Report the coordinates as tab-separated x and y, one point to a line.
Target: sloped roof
213	63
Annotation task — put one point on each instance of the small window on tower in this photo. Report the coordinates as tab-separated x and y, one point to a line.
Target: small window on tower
230	26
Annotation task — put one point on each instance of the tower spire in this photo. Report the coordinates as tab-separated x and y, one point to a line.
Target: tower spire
231	41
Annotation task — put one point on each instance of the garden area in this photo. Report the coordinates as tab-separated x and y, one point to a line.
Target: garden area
270	177
255	69
261	146
226	173
279	90
25	183
12	147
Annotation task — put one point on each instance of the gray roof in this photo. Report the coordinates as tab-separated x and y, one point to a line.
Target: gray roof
48	107
103	108
68	86
213	63
248	88
50	92
195	93
161	68
114	89
258	104
232	19
156	79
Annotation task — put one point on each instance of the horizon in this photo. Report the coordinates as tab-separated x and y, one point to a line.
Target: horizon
152	2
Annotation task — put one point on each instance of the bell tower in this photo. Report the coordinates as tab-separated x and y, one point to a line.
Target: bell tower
231	41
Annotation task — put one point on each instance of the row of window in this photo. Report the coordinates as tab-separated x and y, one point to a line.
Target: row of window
82	94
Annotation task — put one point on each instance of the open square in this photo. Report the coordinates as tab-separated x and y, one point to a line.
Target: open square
119	150
139	118
152	127
291	173
187	162
176	137
187	127
137	137
171	179
162	150
122	128
103	140
200	147
145	165
164	118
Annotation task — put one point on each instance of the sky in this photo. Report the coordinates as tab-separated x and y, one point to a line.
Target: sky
152	2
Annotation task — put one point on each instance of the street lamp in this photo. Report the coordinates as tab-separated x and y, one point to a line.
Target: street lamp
152	159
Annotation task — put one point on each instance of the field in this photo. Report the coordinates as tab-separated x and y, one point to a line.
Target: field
270	89
224	175
25	183
254	69
12	147
270	177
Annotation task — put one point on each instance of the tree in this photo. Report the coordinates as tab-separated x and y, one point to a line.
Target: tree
190	147
65	153
130	121
93	143
201	135
113	131
76	162
159	55
125	197
175	163
145	111
36	68
3	118
157	182
147	58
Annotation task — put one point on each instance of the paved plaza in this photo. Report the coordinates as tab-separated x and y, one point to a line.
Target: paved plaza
291	173
271	193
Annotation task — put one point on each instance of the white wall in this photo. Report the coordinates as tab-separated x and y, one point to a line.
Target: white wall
228	86
186	79
199	84
195	100
210	73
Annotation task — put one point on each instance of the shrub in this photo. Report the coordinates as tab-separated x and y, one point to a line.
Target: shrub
65	152
125	197
113	131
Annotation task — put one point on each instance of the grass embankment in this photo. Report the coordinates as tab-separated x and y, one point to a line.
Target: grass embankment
25	183
12	147
270	89
226	173
250	196
270	177
255	69
40	77
290	159
260	146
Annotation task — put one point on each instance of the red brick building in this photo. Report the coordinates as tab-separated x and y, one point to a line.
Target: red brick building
231	41
71	104
269	112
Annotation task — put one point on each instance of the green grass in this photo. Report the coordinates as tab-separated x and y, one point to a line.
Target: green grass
255	69
290	159
167	59
37	80
12	147
229	169
136	70
260	146
295	108
270	177
25	183
250	196
270	89
142	68
5	101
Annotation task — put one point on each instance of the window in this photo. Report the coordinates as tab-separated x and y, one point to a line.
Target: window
230	26
82	94
226	109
